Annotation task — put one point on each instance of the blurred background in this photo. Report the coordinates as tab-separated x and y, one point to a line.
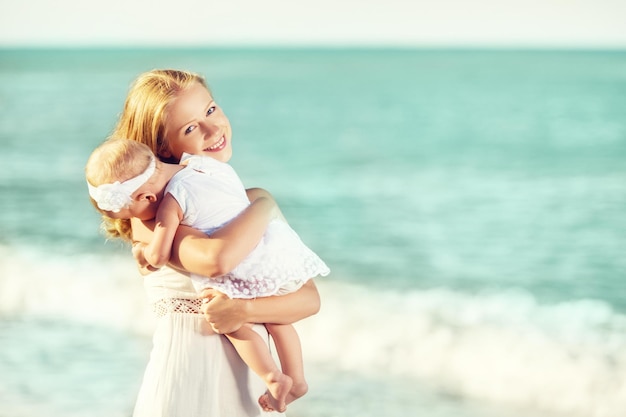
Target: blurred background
459	166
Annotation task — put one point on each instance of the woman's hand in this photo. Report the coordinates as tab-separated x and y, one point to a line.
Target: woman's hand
256	193
225	315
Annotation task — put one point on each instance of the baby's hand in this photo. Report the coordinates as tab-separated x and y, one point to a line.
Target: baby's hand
144	267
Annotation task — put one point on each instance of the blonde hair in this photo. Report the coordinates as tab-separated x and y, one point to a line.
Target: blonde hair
116	160
144	116
143	120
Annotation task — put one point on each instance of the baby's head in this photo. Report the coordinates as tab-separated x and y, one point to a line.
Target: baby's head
115	171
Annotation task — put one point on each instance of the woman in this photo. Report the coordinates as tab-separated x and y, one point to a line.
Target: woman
192	370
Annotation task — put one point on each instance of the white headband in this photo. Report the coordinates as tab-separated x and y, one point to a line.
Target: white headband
116	196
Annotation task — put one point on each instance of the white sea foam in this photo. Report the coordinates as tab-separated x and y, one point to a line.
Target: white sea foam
501	347
105	290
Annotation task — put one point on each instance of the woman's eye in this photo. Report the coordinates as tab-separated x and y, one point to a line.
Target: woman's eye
211	110
189	130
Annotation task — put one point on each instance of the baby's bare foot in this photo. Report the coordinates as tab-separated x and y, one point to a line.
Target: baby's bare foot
264	402
275	398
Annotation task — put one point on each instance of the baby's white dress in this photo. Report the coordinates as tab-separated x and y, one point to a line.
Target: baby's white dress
192	371
211	194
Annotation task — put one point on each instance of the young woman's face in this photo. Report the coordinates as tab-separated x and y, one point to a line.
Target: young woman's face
196	125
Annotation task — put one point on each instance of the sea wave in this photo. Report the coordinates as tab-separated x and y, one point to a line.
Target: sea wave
502	347
105	290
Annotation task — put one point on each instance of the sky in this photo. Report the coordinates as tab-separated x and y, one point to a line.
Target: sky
461	23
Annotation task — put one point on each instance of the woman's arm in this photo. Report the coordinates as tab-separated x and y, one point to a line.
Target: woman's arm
227	315
195	252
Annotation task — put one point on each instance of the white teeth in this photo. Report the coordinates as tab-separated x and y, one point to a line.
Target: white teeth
217	145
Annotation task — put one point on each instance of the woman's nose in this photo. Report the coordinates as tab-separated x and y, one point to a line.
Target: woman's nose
207	127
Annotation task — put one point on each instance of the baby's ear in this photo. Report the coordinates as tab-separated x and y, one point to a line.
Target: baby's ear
149	196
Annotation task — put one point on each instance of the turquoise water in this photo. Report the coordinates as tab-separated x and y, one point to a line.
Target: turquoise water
469	203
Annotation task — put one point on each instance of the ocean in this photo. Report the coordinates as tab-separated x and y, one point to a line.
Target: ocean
470	204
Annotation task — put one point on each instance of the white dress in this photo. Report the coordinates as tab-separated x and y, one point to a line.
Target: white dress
192	371
211	194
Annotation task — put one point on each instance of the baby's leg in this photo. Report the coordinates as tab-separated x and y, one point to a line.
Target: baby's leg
290	354
255	353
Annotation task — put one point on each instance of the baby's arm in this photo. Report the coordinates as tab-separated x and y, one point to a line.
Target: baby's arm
169	215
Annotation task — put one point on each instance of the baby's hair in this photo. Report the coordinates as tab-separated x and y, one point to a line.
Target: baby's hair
116	160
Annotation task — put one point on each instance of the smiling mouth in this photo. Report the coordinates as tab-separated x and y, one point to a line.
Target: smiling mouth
218	146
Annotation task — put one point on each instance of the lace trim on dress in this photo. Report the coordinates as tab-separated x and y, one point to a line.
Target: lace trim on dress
167	306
